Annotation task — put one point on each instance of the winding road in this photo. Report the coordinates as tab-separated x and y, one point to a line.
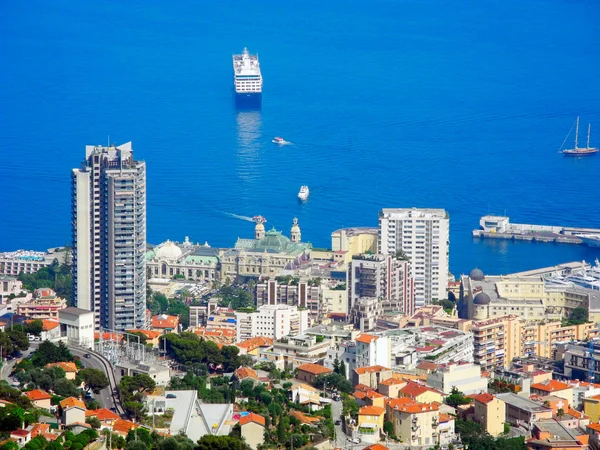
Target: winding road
107	397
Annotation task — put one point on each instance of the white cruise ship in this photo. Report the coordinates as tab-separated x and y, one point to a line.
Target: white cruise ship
593	240
247	78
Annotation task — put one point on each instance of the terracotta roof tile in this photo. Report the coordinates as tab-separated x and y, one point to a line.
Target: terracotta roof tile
150	334
366	338
72	402
413	389
20	433
416	408
314	369
303	417
251	417
371	411
376	447
37	394
68	367
165	321
370	369
550	386
123	426
256	342
484	398
397	402
245	372
102	414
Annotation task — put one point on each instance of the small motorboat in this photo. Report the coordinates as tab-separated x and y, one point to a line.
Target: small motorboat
280	141
303	194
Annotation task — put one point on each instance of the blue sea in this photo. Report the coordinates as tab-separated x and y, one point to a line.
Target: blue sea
427	103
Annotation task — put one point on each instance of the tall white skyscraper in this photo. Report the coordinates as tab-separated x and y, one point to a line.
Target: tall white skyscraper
423	235
109	237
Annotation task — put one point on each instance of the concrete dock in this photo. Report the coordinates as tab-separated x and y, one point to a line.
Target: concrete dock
499	227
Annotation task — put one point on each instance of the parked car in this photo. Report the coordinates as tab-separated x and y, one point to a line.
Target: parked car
355	440
87	355
171	396
338	422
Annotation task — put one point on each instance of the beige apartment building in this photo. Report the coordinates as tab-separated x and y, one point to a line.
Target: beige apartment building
498	340
416	424
45	305
528	297
490	413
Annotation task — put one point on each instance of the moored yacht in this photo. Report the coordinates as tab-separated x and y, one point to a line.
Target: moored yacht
303	194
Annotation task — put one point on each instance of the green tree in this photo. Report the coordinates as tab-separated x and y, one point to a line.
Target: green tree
35	327
457	398
336	365
137	445
94	422
334	380
578	316
94	379
342	370
210	442
65	388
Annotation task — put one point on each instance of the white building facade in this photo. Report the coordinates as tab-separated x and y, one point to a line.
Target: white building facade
77	326
272	321
109	237
373	351
423	235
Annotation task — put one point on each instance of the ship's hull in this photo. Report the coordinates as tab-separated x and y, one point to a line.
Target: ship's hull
592	242
248	100
580	153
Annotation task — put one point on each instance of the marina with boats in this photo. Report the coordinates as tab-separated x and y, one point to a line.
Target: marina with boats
500	227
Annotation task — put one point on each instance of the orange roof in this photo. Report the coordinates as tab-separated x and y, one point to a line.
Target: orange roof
371	411
245	372
413	389
37	394
370	369
303	417
51	436
402	401
363	387
252	418
366	338
415	408
66	366
164	321
39	428
102	414
374	394
72	402
314	369
20	432
256	342
427	365
109	336
123	426
594	426
150	334
550	386
484	398
360	395
445	418
376	447
47	324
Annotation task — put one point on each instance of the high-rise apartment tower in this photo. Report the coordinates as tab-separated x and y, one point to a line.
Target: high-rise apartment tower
422	235
109	237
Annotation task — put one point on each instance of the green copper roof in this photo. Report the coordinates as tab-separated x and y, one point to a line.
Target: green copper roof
273	242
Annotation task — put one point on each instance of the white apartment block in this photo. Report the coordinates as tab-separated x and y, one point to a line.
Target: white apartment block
272	321
384	277
373	351
109	237
423	236
302	295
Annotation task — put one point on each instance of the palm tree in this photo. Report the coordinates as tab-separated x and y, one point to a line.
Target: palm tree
560	412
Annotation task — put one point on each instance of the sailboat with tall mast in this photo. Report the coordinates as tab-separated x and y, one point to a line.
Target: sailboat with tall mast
583	151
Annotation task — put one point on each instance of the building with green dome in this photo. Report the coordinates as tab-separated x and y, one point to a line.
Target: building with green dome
267	254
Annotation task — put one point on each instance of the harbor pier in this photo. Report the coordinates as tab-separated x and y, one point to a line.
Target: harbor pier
499	227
